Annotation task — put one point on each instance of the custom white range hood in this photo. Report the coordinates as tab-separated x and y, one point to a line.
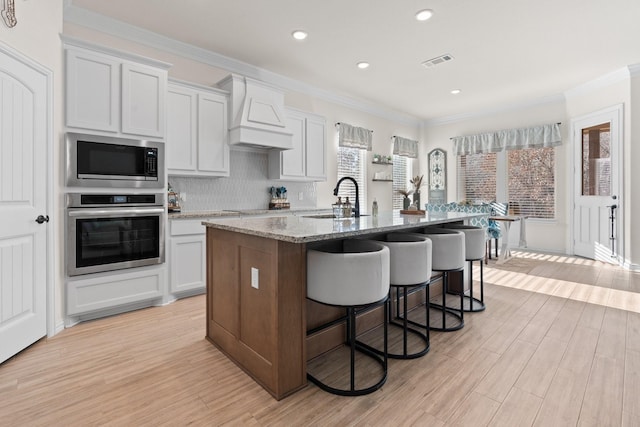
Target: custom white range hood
257	116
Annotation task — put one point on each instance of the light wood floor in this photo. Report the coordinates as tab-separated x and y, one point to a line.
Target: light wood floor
558	345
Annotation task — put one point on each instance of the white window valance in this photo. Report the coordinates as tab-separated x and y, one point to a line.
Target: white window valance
405	147
354	137
509	139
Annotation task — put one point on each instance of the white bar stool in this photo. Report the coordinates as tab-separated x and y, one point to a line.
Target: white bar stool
353	274
410	261
447	256
475	245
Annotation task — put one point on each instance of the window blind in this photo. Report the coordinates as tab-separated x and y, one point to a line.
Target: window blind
351	162
401	176
477	174
531	182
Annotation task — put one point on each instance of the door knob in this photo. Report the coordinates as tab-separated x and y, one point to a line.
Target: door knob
42	219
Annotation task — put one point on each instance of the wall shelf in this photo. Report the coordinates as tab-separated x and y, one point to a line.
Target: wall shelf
383	180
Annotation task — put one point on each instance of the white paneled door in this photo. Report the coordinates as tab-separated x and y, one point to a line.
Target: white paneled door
23	198
597	144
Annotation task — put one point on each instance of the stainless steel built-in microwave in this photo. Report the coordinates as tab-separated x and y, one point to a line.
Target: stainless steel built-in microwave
102	161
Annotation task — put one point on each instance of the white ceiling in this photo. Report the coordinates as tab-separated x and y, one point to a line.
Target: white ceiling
506	52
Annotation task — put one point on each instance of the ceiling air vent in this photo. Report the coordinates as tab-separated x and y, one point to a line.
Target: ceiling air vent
437	60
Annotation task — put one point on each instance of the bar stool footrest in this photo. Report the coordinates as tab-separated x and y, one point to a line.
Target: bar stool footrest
455	313
365	349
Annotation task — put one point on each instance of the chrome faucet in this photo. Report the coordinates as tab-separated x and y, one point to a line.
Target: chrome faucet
356	208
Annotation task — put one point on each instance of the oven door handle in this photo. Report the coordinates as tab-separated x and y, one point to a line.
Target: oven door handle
113	212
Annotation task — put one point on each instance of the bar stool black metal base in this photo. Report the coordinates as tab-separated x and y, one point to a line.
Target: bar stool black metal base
457	314
401	321
356	345
475	305
472	305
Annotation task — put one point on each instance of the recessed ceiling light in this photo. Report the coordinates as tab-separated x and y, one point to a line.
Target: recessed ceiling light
299	35
456	91
424	14
363	64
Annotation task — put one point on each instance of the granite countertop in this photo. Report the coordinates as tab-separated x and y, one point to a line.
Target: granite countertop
303	229
243	212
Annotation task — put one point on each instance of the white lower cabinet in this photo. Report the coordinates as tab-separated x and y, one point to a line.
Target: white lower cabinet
187	256
104	291
306	161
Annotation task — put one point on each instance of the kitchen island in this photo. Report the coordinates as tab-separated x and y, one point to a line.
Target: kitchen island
257	312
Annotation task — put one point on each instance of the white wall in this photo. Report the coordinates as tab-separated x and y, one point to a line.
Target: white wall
547	235
632	171
37	36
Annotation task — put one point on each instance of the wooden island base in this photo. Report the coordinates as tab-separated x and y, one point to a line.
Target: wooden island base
261	327
257	311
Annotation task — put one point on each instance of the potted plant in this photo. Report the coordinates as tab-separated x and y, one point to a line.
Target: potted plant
405	202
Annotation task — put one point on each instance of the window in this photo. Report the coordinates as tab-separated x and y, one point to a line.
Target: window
351	162
477	177
527	180
596	160
531	183
401	176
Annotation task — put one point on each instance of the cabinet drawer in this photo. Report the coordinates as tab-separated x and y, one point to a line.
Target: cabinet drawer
113	290
183	227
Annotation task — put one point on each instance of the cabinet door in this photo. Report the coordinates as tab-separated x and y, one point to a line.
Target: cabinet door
182	114
316	149
213	149
293	161
93	83
144	91
187	263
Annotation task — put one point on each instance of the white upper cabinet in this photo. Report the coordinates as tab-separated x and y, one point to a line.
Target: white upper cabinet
182	119
292	162
93	91
143	100
114	92
197	131
316	148
213	147
306	161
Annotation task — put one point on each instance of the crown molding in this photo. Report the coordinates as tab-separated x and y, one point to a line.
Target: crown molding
75	42
489	112
634	70
101	23
598	83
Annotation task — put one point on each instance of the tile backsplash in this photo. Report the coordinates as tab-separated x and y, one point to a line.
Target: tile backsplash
246	187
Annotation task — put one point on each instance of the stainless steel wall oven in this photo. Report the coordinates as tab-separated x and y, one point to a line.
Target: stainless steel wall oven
114	231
